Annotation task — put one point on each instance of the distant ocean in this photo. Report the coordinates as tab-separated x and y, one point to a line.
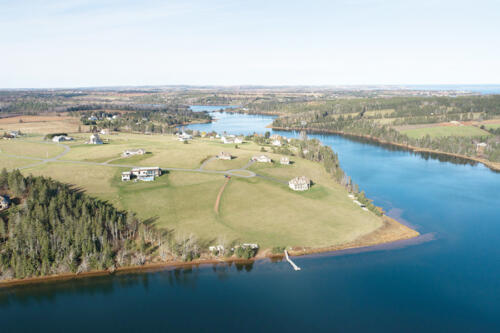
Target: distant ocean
485	89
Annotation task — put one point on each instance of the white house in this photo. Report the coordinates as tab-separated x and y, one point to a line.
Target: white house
262	159
250	245
285	160
276	143
146	173
184	137
481	145
216	248
301	183
224	156
61	138
126	176
95	139
229	139
238	140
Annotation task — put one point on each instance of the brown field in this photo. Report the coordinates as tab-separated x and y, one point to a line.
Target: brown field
40	124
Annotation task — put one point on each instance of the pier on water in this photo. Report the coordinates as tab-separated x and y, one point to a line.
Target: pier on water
295	267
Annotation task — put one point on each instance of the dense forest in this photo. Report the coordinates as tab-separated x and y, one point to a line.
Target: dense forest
53	228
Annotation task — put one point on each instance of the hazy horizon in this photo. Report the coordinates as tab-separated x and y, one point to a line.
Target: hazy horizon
89	43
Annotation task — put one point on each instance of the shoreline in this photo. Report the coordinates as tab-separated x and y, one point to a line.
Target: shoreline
391	231
494	166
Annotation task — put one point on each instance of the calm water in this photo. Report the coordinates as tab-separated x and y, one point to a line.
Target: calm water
450	283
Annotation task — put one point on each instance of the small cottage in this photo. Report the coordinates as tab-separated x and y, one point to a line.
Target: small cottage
301	183
4	202
276	143
224	156
262	159
285	160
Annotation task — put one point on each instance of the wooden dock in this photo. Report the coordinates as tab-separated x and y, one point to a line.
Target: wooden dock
295	267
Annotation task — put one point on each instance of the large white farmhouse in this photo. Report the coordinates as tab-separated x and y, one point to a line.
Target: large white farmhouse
301	183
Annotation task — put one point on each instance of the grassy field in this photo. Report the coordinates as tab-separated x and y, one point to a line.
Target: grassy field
30	149
261	210
437	131
492	126
10	163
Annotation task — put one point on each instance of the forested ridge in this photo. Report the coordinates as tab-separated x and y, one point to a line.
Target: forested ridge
403	110
56	229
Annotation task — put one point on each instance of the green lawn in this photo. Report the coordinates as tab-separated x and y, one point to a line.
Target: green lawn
31	149
258	210
492	126
438	131
13	163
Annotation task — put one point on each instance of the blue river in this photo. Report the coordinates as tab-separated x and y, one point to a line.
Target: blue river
446	280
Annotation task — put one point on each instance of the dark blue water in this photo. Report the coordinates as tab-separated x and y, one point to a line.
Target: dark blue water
447	284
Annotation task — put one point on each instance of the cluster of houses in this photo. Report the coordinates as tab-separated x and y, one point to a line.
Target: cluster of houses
132	152
301	183
228	139
103	116
220	248
146	174
278	140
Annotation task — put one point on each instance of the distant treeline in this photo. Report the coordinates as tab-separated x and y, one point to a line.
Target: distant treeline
405	110
358	126
140	118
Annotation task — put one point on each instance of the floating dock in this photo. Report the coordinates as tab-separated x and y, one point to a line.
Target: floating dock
295	267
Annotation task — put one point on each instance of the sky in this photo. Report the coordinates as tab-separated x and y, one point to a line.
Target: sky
88	43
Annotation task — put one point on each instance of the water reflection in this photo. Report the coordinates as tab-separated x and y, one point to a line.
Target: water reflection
185	277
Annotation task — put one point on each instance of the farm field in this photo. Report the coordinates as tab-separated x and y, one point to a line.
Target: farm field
260	210
40	124
438	131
